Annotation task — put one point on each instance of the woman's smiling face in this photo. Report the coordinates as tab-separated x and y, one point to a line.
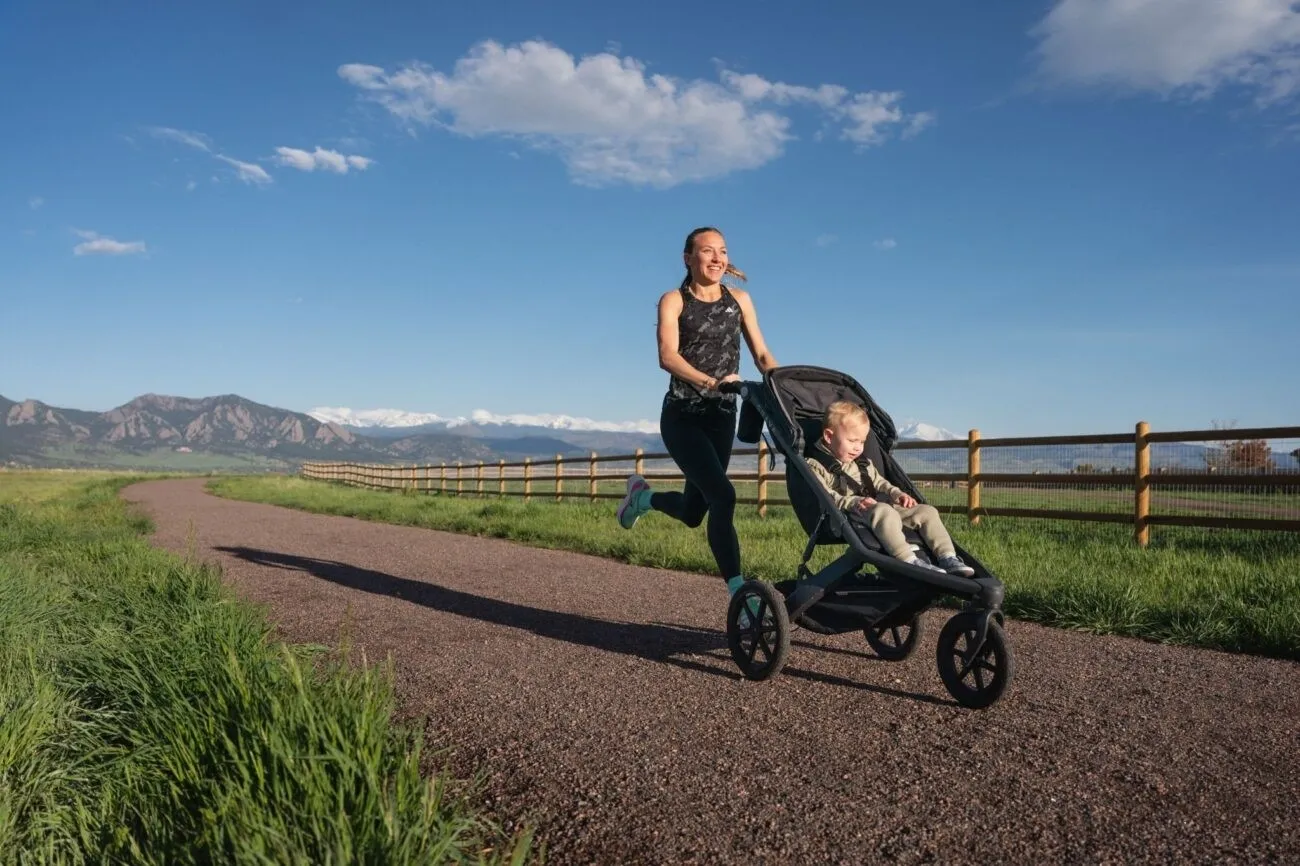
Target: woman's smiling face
707	259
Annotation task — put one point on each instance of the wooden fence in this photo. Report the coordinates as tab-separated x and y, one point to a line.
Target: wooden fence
567	475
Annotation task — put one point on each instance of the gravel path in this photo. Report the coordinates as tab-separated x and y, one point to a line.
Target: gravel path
602	703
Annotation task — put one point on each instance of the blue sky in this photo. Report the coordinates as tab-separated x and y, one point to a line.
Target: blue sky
1026	217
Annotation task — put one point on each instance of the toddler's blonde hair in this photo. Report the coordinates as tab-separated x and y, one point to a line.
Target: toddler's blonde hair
841	411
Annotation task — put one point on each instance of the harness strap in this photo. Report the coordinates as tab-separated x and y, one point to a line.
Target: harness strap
833	466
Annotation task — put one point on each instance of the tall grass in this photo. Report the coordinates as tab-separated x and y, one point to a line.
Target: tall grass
1234	591
147	716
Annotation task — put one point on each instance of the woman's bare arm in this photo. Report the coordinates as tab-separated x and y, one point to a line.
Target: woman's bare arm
763	358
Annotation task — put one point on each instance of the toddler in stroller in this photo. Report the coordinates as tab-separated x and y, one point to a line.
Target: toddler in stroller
875	505
870	587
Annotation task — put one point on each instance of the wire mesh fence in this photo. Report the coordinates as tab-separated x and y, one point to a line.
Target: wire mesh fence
1234	478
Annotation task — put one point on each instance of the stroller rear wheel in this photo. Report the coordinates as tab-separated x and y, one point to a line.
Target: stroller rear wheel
893	643
758	630
975	672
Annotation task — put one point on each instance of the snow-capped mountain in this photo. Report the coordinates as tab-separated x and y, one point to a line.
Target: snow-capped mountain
915	430
562	422
398	418
375	417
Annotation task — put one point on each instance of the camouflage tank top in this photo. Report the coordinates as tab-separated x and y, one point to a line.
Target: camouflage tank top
709	340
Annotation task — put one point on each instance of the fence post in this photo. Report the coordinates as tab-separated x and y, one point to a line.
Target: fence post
478	486
442	478
972	473
591	476
460	485
501	477
640	461
762	478
1141	484
559	489
528	478
414	486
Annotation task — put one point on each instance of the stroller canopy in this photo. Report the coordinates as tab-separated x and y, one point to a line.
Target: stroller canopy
797	398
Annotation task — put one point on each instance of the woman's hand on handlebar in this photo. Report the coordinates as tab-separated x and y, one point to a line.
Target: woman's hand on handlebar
729	384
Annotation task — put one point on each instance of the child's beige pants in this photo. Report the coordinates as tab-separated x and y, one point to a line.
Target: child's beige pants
888	521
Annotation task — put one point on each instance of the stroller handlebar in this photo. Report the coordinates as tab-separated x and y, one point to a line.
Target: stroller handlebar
732	387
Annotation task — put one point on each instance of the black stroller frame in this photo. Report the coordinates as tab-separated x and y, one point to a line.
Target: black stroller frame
974	659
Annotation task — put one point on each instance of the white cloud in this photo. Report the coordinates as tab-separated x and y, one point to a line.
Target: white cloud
1174	47
326	160
885	244
246	171
754	88
917	123
35	202
95	244
869	114
826	240
191	186
192	139
610	120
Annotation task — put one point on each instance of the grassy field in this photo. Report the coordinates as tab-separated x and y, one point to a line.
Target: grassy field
1235	591
160	459
146	716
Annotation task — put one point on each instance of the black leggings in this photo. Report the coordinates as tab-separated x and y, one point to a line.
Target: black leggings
701	446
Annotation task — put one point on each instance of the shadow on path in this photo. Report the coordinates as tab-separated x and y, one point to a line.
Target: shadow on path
657	642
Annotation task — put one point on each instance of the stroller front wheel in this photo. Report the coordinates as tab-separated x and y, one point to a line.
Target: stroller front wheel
758	630
975	673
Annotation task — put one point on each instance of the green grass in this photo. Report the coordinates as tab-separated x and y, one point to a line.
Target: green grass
147	716
165	459
1235	591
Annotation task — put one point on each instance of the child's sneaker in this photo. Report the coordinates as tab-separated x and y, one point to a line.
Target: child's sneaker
954	565
921	563
635	503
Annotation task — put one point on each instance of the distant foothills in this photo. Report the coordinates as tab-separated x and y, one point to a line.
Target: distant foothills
230	432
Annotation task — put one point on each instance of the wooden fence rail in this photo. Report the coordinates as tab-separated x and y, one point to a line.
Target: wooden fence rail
452	479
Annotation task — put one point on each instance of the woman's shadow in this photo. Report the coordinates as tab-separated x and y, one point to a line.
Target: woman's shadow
657	642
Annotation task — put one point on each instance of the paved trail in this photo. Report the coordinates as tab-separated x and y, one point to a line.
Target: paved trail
602	702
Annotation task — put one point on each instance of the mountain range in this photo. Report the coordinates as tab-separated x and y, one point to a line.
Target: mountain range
226	432
222	432
232	432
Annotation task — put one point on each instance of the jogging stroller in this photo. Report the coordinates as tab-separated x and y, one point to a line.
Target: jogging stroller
865	588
